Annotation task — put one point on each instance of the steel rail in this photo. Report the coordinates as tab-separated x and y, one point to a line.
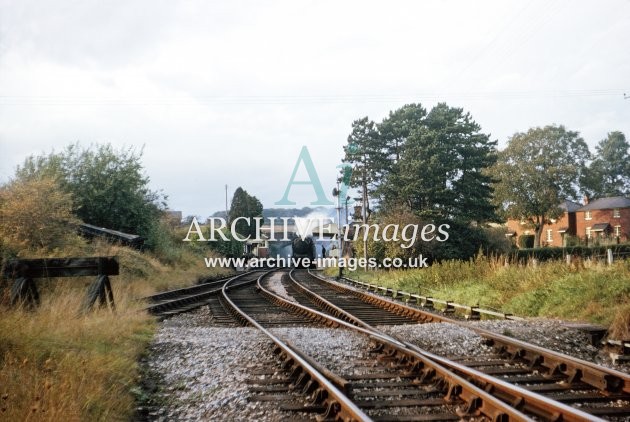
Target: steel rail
183	301
190	290
523	399
476	399
338	404
536	404
331	307
605	379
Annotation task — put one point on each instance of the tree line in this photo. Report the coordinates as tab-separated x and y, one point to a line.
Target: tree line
52	193
438	165
415	166
101	185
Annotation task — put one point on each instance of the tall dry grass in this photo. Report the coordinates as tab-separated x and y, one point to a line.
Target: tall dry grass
56	364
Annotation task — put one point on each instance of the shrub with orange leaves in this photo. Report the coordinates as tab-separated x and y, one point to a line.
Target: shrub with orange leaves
35	214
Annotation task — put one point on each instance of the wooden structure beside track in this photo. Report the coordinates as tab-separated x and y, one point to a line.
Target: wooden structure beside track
23	271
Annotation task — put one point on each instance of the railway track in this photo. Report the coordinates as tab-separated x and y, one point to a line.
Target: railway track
388	382
595	390
391	378
248	307
177	301
365	312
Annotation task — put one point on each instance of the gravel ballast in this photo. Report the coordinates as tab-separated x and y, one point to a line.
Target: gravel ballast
274	284
198	371
335	349
554	335
455	341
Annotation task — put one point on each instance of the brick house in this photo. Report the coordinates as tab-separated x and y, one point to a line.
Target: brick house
555	231
605	220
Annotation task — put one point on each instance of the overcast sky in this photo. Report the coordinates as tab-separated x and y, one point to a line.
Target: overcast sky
228	92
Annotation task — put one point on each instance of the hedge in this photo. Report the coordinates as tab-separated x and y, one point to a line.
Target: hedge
550	253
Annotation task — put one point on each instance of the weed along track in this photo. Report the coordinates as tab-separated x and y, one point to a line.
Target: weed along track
331	352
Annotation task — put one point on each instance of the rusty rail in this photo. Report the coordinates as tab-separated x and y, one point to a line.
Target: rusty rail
477	401
606	379
609	381
338	404
176	301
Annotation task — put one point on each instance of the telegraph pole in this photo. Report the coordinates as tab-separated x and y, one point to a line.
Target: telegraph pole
226	202
365	213
337	193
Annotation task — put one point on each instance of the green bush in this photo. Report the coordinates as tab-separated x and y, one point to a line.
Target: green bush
464	242
496	242
108	186
571	240
160	239
230	248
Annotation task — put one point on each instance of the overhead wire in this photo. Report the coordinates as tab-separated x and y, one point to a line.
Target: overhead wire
28	100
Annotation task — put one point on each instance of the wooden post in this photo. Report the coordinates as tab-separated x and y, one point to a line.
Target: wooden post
24	292
101	289
609	256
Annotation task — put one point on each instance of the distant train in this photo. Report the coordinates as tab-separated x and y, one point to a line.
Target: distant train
302	249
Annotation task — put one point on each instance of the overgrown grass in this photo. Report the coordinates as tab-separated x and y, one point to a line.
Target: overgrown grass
58	365
596	293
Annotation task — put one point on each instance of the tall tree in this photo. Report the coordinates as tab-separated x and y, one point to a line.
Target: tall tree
442	168
244	205
537	171
365	153
609	173
397	127
394	132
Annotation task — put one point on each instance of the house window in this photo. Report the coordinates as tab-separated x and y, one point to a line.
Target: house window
616	213
617	231
587	215
588	232
549	235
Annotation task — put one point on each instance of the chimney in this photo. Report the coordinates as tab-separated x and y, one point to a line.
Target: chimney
585	199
